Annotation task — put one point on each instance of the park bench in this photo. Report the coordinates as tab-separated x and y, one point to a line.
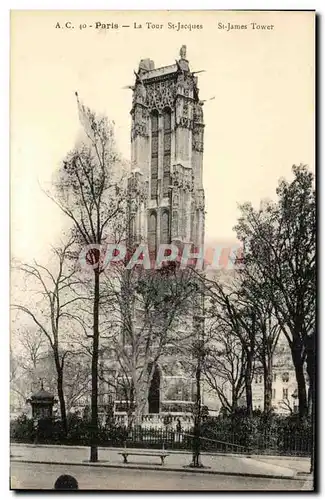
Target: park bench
161	454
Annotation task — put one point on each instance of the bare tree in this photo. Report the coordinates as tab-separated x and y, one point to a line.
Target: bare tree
58	290
224	367
89	194
18	386
144	314
33	342
27	347
235	312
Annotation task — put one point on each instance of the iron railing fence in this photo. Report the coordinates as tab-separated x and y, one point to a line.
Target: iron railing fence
274	443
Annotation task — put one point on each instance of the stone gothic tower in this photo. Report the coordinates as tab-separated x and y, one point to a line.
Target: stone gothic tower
167	156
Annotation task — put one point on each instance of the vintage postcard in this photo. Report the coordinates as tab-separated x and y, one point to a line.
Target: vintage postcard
163	241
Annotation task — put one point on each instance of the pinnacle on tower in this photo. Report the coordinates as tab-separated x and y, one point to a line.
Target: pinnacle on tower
182	52
183	62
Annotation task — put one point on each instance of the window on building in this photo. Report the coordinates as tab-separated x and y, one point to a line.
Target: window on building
164	228
260	379
167	151
154	154
285	377
273	393
285	393
274	377
152	233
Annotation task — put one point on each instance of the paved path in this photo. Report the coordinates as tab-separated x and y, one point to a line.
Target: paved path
299	464
43	476
109	457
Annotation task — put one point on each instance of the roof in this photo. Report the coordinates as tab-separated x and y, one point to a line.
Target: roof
157	72
42	395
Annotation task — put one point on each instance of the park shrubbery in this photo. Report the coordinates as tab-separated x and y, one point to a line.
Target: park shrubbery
49	430
266	433
22	429
236	433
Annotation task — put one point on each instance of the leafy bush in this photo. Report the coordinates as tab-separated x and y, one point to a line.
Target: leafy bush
236	433
49	431
22	429
258	433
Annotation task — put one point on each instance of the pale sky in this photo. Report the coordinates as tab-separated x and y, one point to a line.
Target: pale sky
260	123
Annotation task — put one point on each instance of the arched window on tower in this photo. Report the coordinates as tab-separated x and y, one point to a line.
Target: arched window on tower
167	151
154	153
164	228
152	234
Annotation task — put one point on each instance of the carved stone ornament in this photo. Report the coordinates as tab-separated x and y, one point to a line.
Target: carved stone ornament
161	95
198	145
182	178
198	112
177	175
146	190
188	181
197	142
175	198
139	128
184	84
144	113
200	199
185	122
140	92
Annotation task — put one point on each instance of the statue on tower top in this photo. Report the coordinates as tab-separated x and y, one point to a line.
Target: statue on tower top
182	52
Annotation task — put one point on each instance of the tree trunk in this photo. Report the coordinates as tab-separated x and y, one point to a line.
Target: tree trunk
267	368
196	460
94	373
62	401
300	379
309	401
140	399
312	457
129	416
248	384
234	400
310	348
59	385
130	409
